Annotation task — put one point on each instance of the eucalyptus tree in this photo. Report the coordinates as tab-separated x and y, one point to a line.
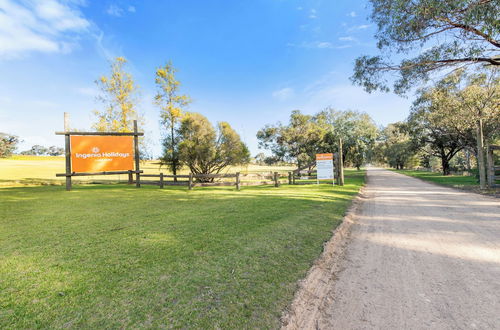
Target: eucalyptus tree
119	95
357	130
298	141
206	149
468	105
429	36
171	104
8	144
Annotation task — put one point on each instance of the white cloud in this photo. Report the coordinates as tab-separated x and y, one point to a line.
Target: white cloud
117	11
312	45
46	26
283	94
348	38
352	14
312	14
324	44
359	27
114	10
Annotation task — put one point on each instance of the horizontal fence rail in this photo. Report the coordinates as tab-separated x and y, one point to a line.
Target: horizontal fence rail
236	179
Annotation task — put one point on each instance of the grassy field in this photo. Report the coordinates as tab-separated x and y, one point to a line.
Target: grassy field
448	180
113	256
41	170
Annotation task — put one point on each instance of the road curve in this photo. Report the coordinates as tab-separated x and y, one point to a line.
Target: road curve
419	256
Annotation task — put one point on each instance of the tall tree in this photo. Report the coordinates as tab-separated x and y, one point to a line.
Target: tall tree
298	141
119	97
469	105
446	33
357	130
208	150
395	146
429	130
8	144
171	105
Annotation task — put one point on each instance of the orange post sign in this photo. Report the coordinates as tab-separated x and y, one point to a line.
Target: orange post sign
102	153
324	156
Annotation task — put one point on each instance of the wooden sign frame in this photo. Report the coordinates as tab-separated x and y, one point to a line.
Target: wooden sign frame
67	144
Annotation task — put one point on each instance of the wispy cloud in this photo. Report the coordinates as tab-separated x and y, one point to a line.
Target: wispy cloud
312	14
283	94
318	45
46	26
348	38
352	14
358	27
117	11
114	10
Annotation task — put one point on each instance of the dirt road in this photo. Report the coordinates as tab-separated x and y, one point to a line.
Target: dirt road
418	256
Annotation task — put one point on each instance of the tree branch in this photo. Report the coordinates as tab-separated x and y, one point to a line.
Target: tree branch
471	29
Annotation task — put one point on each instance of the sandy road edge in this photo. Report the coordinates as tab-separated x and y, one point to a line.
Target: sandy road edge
313	289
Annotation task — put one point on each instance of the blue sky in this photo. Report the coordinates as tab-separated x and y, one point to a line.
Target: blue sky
245	62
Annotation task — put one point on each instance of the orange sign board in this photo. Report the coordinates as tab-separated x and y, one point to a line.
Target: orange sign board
102	153
324	156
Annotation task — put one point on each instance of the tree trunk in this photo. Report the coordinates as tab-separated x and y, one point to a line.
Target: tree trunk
445	163
467	159
174	159
480	155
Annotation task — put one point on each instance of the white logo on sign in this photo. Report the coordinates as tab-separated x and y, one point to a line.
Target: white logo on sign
95	150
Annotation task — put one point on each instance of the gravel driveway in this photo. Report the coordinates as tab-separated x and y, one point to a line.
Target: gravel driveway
418	256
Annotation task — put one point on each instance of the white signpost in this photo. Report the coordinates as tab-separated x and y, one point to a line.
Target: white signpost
324	166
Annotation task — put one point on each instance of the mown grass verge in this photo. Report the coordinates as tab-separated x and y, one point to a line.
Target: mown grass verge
112	256
468	183
448	180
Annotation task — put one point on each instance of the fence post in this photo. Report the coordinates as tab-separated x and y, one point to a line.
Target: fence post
136	156
491	166
237	180
67	148
341	164
276	182
289	177
161	180
190	184
130	177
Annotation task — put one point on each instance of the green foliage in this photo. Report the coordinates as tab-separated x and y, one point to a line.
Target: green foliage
8	144
119	97
205	149
457	102
357	131
307	135
38	150
171	105
430	133
298	141
395	147
449	34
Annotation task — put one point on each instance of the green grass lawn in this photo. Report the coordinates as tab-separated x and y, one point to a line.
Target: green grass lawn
449	180
112	256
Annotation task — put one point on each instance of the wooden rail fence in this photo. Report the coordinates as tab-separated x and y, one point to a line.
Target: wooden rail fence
237	179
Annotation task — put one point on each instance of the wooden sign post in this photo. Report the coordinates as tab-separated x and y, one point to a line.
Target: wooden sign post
100	153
